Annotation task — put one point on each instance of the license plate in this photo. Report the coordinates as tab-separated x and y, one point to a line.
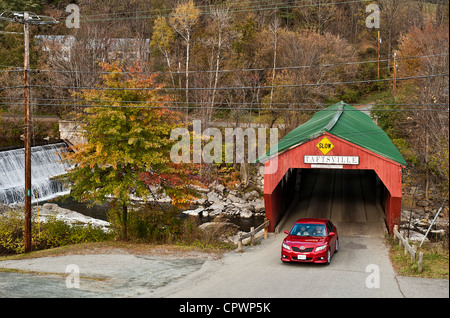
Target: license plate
301	257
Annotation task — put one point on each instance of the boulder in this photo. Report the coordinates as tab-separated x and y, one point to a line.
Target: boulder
195	212
220	229
234	199
219	188
252	195
259	208
246	213
423	203
216	208
213	197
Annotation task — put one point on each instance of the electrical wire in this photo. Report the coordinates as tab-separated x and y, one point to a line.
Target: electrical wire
231	87
86	18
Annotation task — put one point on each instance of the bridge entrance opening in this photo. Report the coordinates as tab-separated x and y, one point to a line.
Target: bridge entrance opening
352	199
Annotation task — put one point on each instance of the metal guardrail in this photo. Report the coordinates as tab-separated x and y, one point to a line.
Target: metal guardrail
409	249
252	234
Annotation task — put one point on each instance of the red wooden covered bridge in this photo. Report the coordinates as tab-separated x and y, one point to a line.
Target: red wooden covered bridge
338	137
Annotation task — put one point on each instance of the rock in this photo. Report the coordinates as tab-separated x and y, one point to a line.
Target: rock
234	199
245	213
216	208
418	210
195	212
413	235
199	188
50	206
200	201
213	197
423	203
250	196
48	210
258	201
220	188
259	208
221	229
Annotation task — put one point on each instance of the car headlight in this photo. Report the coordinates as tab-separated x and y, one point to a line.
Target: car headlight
286	246
321	248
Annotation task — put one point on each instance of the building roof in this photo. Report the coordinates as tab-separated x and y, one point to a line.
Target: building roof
345	122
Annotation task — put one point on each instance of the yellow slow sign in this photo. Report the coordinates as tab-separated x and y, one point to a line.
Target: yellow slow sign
325	145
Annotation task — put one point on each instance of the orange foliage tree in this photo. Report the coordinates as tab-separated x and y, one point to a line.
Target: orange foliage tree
128	149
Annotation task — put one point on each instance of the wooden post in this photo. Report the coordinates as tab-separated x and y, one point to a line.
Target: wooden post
266	227
252	236
406	248
27	134
420	262
413	255
239	242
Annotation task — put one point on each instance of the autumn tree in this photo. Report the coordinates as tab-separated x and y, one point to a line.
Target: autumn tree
429	124
294	87
163	39
128	146
183	20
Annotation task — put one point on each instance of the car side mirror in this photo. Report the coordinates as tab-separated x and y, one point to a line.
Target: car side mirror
331	234
286	232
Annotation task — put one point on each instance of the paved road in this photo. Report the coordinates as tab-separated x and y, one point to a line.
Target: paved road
258	272
360	269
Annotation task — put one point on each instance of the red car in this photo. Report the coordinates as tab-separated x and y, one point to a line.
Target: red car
310	240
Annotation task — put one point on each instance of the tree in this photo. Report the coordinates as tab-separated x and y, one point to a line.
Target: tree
126	143
183	20
430	133
163	37
221	22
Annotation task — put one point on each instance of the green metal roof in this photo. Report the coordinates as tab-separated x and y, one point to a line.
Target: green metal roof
345	122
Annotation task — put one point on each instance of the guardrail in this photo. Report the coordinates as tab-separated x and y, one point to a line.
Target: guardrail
252	234
409	249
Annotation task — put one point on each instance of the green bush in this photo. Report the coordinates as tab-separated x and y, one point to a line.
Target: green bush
11	233
52	233
153	225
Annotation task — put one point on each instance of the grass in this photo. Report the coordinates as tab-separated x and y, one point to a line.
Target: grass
435	260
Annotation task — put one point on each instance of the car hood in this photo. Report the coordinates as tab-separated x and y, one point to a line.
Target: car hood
293	239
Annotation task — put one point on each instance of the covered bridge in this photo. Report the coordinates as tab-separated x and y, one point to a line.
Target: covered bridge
339	137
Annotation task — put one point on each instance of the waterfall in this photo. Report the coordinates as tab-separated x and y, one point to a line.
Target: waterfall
46	163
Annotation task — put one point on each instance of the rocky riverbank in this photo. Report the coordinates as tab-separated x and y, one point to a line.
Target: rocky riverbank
217	200
418	213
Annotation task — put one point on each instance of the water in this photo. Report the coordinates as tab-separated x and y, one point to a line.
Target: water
46	163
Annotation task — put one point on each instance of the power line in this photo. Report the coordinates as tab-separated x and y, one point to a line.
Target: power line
157	105
233	87
85	18
201	103
232	70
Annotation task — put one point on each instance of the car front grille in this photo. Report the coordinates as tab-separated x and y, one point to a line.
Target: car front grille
306	250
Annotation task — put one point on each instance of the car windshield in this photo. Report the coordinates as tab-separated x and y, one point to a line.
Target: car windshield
306	229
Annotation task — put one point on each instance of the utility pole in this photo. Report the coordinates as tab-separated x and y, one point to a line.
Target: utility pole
27	18
27	131
395	75
379	42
